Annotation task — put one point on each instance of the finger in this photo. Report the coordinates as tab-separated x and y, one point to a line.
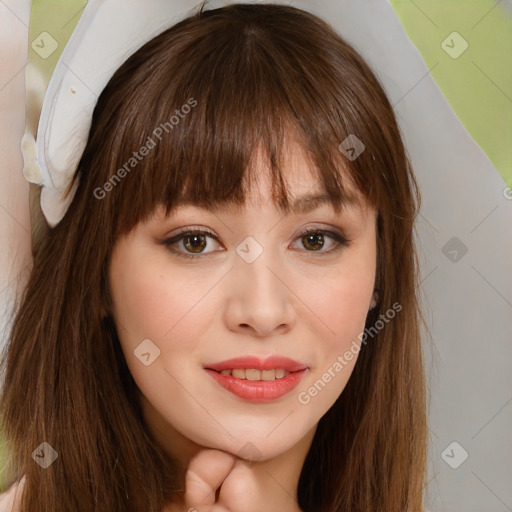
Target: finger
209	508
205	475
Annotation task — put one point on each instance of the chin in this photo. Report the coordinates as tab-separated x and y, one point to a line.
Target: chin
254	447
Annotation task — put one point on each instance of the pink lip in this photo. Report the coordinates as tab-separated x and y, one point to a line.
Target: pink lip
258	364
260	390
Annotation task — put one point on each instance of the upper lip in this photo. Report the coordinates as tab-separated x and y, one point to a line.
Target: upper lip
258	363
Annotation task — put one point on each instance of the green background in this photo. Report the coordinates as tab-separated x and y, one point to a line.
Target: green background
478	84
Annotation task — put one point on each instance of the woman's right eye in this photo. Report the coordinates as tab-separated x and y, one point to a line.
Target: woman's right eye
193	241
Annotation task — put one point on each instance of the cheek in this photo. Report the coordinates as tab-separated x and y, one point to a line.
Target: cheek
346	302
152	301
341	301
149	299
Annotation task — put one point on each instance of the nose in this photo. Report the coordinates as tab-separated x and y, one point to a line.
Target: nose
260	300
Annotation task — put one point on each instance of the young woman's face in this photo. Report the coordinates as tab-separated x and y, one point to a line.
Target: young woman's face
277	311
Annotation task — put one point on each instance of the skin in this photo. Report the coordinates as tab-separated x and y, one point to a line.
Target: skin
292	300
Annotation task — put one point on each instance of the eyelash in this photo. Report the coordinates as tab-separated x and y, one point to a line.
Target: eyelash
340	240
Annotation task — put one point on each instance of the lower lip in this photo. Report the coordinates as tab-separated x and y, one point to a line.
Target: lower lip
258	390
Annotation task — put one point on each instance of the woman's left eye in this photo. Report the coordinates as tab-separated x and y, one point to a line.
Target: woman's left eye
315	238
194	240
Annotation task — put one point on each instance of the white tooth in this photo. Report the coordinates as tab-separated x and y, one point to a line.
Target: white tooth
225	372
252	374
238	373
268	374
280	373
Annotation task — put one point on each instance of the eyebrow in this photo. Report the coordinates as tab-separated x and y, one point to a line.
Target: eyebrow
308	203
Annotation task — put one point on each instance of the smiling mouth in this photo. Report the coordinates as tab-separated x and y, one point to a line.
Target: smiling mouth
254	374
258	378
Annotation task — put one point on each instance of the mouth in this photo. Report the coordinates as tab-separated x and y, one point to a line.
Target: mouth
258	380
255	374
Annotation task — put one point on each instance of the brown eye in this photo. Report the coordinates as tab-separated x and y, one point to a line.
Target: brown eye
190	243
194	243
314	241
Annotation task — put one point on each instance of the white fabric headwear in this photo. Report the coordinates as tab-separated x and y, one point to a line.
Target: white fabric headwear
108	32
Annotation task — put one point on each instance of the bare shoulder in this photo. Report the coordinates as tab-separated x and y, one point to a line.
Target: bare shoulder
10	499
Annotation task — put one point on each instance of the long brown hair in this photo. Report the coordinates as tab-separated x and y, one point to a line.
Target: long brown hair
251	75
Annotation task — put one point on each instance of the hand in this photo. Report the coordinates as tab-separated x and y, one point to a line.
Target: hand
205	474
219	482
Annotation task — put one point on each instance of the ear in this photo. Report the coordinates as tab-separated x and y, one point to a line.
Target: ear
374	301
103	312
